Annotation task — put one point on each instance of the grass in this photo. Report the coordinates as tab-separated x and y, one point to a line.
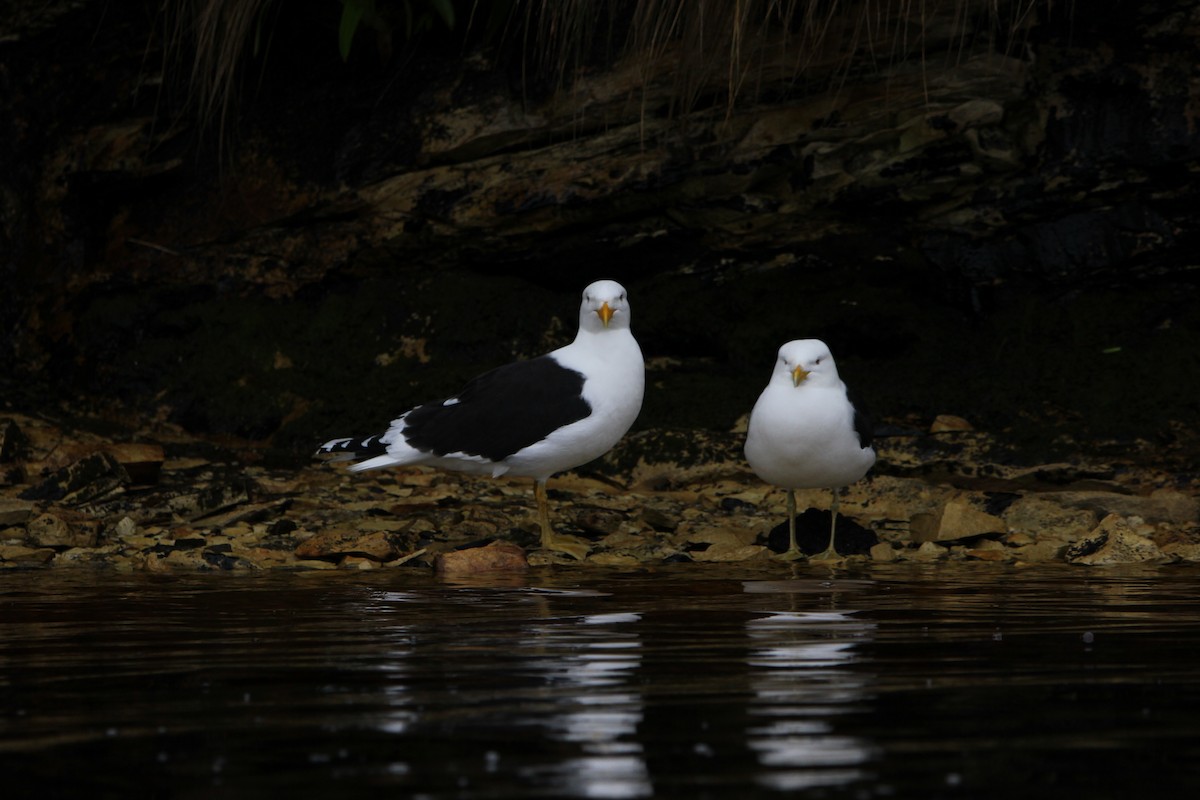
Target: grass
713	53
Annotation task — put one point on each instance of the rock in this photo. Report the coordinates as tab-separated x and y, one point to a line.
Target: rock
1184	551
1040	519
959	519
124	530
1116	540
600	521
884	552
948	423
928	551
495	557
142	462
725	535
14	512
358	562
82	481
63	529
1163	505
731	551
205	502
378	545
659	520
1039	552
175	560
13	442
989	550
18	555
613	560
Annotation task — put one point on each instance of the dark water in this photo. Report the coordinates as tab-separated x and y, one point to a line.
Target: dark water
901	682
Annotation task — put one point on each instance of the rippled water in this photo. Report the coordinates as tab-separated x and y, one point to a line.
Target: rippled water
936	681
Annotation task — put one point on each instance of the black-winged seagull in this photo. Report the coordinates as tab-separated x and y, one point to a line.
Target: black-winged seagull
804	433
529	418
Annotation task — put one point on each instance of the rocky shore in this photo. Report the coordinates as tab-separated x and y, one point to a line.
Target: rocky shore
163	500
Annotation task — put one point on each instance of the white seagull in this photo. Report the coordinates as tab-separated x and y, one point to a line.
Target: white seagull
530	418
804	432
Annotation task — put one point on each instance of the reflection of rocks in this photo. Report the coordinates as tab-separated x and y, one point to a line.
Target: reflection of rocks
201	510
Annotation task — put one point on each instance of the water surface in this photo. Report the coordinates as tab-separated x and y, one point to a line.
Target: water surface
900	681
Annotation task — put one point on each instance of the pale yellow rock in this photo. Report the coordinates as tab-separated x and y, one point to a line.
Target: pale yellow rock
357	562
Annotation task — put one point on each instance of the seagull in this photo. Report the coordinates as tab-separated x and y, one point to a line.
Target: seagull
531	418
804	433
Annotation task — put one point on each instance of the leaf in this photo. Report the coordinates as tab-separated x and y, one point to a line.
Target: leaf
353	12
445	10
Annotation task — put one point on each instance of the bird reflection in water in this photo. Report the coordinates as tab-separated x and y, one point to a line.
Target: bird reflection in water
801	679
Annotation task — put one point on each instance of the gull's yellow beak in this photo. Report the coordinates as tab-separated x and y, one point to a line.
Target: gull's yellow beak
605	313
798	375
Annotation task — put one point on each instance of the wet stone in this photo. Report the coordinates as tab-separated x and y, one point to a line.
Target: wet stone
495	557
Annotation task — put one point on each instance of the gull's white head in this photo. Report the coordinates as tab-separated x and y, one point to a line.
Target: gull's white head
605	306
806	362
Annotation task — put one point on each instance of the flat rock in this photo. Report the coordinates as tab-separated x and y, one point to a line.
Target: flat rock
959	519
142	462
19	555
